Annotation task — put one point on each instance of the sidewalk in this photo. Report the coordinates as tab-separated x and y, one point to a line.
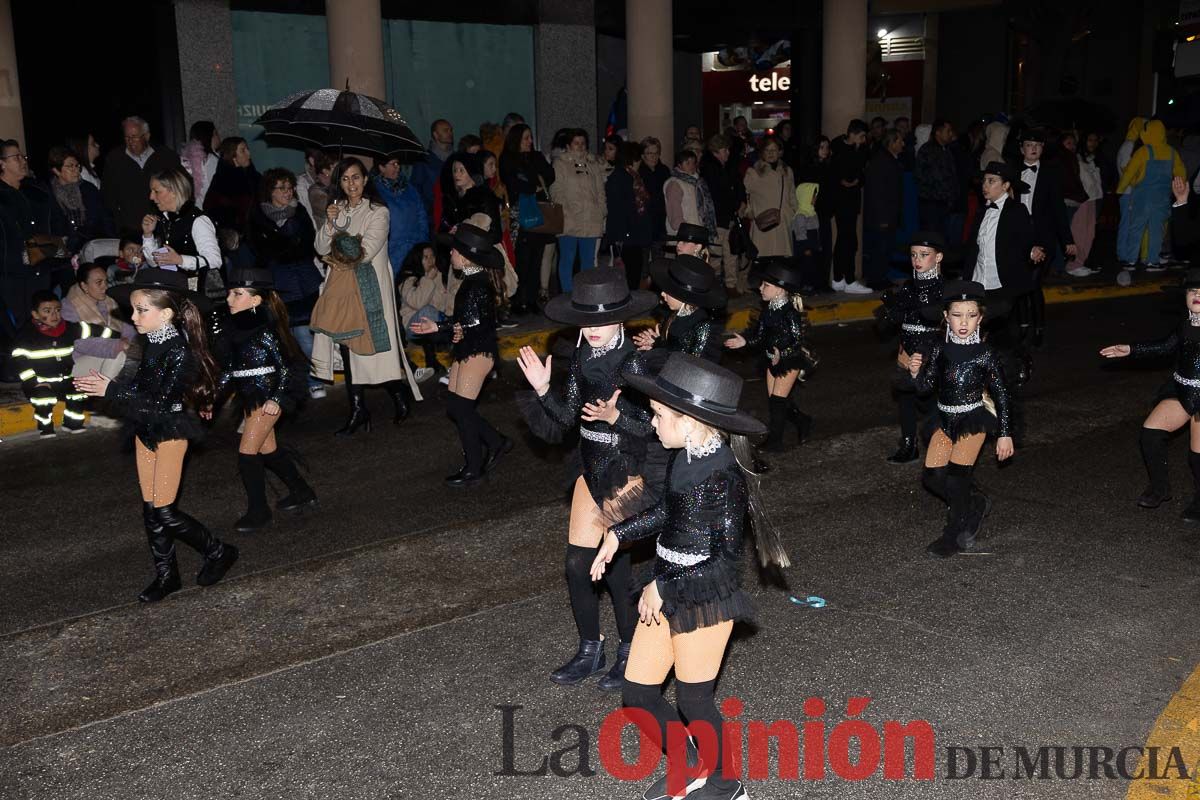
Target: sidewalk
16	415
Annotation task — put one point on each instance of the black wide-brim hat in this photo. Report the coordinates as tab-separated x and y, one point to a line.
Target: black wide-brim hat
158	278
955	291
779	271
1033	135
699	388
599	296
1191	280
250	278
928	239
474	244
1007	172
689	279
690	233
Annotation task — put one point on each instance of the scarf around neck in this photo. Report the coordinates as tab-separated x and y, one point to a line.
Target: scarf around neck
89	310
708	214
279	215
70	198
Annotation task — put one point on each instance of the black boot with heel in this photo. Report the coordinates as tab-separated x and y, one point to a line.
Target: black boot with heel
162	550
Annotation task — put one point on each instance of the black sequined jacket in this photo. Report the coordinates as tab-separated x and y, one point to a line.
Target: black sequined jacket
153	400
902	308
960	373
608	455
699	524
697	333
785	329
255	365
1184	344
475	310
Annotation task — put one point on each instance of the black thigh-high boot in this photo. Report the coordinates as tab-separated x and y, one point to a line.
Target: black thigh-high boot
777	422
802	421
162	550
300	495
665	718
254	479
1154	454
697	704
1192	512
585	605
908	451
360	416
462	411
619	579
218	556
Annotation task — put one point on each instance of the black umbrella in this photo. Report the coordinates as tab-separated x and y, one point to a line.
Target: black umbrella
342	119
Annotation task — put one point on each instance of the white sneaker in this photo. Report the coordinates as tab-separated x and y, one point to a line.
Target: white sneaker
1079	272
1156	268
423	374
858	288
1125	277
838	286
444	380
316	392
74	431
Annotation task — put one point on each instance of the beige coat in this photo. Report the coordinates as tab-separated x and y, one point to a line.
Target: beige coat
372	224
580	191
763	191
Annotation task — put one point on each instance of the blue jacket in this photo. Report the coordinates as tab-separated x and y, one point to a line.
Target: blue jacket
409	220
425	175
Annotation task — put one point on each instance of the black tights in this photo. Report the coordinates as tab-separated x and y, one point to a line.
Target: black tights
697	704
473	430
585	601
912	407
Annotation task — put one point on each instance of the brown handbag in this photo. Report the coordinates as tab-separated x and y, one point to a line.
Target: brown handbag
41	246
552	215
772	216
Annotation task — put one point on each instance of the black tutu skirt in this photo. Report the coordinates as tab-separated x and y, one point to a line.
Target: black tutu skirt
167	427
787	364
977	420
709	598
1188	396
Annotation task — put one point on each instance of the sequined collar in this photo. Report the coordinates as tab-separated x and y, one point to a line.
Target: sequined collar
928	275
163	334
972	339
711	445
778	302
471	269
613	344
1194	318
685	310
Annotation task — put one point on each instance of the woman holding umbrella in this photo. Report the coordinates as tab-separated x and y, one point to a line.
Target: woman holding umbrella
356	210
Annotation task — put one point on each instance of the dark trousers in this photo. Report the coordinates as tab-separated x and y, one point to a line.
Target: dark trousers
933	215
877	252
529	269
846	246
634	258
43	398
825	258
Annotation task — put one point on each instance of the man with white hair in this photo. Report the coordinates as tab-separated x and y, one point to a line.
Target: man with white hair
127	171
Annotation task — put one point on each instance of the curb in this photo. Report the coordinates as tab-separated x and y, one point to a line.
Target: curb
18	417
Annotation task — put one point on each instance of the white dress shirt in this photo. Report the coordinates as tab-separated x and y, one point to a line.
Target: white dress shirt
143	158
1030	177
986	270
204	234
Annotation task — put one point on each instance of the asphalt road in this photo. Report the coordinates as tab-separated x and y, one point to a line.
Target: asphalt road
362	651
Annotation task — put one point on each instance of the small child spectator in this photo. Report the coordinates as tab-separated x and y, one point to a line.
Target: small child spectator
423	296
129	260
43	358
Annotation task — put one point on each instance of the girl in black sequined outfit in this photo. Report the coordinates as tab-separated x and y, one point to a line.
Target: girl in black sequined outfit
612	448
472	329
176	371
781	335
266	369
906	309
961	369
1177	403
698	525
693	295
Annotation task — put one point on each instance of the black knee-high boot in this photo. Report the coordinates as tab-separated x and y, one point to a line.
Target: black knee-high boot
162	550
619	578
777	422
254	479
1192	512
300	494
1154	454
360	416
934	480
585	605
958	496
802	421
400	393
665	718
462	411
908	450
218	556
697	704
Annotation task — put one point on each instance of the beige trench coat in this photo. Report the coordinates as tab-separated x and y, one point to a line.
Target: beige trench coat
763	191
372	224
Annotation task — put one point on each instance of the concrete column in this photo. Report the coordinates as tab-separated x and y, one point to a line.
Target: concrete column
12	123
356	46
929	71
564	70
650	72
204	29
843	64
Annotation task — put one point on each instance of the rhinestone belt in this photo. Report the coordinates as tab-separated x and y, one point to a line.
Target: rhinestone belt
250	373
682	559
598	436
960	409
177	407
1193	382
912	327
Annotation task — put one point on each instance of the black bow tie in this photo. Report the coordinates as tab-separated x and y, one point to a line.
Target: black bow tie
1031	167
993	205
